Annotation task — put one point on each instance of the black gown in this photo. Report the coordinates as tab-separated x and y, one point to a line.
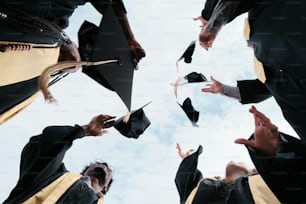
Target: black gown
42	162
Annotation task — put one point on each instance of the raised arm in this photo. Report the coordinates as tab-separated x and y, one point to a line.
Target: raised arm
136	49
187	176
279	158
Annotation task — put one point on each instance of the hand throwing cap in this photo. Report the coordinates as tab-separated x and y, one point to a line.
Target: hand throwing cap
107	42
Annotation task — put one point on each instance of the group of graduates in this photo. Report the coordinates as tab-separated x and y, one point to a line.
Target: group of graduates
32	33
275	30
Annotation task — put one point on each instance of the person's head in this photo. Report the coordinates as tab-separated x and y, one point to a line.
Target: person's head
101	176
234	170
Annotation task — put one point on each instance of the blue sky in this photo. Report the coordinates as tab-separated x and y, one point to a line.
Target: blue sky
145	168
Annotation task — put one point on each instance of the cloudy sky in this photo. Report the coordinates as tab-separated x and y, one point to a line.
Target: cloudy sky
145	168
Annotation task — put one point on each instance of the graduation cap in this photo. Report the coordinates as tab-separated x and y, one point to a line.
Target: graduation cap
108	42
134	124
187	55
105	56
189	110
192	77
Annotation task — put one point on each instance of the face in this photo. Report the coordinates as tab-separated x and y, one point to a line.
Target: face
100	176
237	168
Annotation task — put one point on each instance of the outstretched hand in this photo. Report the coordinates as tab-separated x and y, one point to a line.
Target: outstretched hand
202	20
266	135
182	154
96	125
213	87
137	52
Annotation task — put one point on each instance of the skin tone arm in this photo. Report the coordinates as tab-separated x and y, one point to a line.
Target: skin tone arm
266	135
214	87
206	38
96	125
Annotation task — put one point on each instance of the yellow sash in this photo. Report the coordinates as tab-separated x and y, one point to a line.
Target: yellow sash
51	193
261	192
258	67
17	108
17	66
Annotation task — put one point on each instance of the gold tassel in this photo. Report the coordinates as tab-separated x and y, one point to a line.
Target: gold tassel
44	78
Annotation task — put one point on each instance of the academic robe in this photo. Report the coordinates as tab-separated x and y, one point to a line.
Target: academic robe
278	36
55	11
252	91
189	180
285	172
42	162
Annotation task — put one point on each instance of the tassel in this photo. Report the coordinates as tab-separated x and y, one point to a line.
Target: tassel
44	78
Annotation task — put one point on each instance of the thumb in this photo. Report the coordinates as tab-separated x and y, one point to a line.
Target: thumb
245	142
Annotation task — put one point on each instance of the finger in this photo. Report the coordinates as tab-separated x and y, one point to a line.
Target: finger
104	132
207	90
178	147
109	124
212	78
196	18
189	151
245	142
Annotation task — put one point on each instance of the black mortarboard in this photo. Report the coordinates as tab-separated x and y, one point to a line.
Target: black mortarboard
192	77
191	113
187	55
137	122
107	42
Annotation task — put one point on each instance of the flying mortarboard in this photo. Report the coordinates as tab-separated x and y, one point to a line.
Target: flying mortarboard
105	56
134	124
108	42
187	55
189	110
192	77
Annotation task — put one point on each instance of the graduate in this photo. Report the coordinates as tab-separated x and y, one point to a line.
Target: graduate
33	39
279	54
43	177
280	161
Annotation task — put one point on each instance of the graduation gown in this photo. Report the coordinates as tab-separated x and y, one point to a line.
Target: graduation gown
42	162
55	11
253	91
278	36
284	173
192	188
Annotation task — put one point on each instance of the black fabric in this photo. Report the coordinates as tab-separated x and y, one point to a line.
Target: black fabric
209	8
41	163
195	77
285	176
188	176
13	94
209	191
253	91
135	126
56	11
108	42
278	36
187	55
189	110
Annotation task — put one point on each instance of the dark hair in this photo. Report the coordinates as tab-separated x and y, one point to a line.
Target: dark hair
100	180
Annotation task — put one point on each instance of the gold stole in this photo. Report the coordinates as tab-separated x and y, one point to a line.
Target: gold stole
261	193
51	193
17	66
258	67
